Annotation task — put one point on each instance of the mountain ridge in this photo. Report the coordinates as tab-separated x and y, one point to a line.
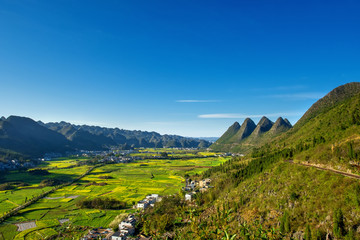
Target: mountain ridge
250	135
23	136
245	130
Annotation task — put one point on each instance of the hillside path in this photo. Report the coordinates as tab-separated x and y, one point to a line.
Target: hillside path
325	169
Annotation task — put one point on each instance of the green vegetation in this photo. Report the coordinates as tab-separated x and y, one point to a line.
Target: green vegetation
102	203
79	202
232	130
266	195
41	172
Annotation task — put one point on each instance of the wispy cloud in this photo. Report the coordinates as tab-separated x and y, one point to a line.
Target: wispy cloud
240	116
298	96
196	101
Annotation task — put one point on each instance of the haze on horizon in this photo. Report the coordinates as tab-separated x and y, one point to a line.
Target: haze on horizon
185	68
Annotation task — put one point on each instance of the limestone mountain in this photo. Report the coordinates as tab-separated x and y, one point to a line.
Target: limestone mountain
230	132
262	127
245	130
287	121
249	135
280	125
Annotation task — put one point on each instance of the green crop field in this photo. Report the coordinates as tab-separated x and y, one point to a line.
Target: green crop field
128	182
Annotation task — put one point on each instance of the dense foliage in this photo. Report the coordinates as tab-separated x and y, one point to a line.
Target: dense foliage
267	195
51	182
102	203
39	172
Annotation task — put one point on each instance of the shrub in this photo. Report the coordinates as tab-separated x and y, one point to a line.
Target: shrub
41	172
6	186
339	226
51	182
106	177
102	203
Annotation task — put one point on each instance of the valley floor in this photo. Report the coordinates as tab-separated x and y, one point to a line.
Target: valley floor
127	182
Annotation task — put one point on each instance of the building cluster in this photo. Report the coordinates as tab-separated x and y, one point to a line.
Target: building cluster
230	155
119	159
149	201
193	187
103	153
14	164
126	228
98	233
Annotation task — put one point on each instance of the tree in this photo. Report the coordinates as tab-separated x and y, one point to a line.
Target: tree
350	235
307	232
285	223
351	150
339	226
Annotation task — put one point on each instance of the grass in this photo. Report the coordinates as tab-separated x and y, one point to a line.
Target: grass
129	182
44	226
7	231
309	195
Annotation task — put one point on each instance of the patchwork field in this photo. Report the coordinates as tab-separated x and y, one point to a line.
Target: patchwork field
128	182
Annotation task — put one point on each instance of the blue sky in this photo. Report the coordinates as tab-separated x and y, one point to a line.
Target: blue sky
179	67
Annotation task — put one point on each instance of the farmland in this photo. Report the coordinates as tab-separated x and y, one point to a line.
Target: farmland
127	182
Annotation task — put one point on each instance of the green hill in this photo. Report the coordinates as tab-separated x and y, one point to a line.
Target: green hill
232	130
329	101
25	136
266	195
246	130
328	134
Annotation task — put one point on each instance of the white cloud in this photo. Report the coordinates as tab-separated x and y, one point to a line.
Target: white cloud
196	101
240	116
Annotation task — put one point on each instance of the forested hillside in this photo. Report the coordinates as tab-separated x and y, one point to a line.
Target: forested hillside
270	195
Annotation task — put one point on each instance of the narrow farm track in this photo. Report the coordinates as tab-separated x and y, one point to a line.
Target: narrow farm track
326	169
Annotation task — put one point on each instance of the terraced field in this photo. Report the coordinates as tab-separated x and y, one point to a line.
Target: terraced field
128	182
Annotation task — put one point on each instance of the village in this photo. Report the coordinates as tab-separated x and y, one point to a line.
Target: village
127	226
193	187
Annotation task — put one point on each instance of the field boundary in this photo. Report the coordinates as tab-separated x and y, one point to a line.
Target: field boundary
14	211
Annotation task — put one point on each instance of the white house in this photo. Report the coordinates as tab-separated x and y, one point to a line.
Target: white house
142	204
188	196
192	184
128	230
118	236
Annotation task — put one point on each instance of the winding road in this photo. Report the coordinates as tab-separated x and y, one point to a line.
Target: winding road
325	169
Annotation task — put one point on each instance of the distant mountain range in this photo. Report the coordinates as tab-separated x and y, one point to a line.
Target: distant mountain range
210	139
243	138
23	136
